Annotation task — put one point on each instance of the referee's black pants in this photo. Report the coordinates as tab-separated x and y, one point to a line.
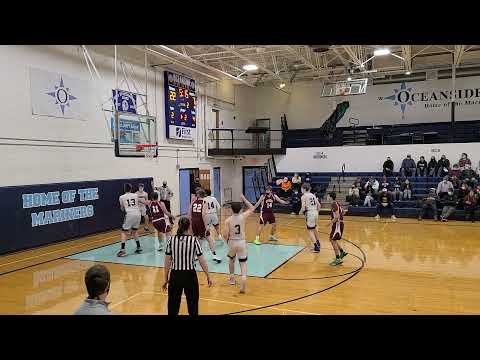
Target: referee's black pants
183	280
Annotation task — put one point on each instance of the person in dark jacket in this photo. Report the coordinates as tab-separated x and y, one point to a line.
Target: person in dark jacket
295	201
461	194
407	190
432	167
422	167
468	176
443	166
429	202
456	183
385	201
388	167
470	203
397	189
449	202
408	166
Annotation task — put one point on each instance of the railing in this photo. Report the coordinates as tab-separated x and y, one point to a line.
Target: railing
244	139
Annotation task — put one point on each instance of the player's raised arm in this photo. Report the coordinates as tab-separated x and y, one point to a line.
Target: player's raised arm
280	200
259	201
251	208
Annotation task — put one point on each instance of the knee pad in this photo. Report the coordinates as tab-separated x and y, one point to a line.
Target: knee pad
232	258
243	260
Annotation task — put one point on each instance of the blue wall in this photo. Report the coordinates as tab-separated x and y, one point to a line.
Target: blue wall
32	215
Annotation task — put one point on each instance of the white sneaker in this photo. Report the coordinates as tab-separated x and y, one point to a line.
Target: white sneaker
243	286
232	281
394	218
377	217
216	259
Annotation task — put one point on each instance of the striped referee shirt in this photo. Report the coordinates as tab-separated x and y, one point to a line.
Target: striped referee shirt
183	250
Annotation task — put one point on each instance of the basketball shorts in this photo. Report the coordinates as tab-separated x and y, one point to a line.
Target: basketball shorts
198	229
143	211
212	219
237	248
337	231
131	221
162	225
311	218
267	218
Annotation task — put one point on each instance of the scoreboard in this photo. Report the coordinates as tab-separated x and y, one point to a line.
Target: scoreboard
180	106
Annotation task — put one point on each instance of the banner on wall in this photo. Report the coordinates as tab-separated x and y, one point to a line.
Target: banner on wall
416	102
125	100
180	106
42	214
59	95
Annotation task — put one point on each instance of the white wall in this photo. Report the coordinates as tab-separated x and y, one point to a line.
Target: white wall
306	109
368	158
28	159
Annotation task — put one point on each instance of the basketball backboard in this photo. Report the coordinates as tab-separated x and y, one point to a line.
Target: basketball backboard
129	130
345	88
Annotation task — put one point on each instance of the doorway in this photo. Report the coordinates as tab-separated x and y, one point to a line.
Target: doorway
187	178
217	188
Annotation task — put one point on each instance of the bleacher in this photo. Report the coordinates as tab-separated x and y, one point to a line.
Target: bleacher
407	209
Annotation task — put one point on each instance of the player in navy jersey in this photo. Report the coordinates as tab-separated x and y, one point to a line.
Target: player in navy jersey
266	202
336	233
199	220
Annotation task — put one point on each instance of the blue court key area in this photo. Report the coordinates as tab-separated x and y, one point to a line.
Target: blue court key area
262	259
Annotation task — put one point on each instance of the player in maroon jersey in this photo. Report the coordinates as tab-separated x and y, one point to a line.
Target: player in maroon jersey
266	213
160	218
198	218
336	233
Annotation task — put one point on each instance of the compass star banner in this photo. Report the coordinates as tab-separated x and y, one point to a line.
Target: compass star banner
59	95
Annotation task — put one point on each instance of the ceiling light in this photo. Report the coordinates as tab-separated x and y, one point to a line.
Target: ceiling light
349	79
408	72
381	52
250	67
281	86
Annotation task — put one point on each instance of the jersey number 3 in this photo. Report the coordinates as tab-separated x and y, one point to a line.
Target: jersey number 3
237	228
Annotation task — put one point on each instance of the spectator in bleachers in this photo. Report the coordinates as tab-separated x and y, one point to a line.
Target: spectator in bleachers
308	178
296	181
470	203
454	171
464	160
372	186
408	166
368	199
388	167
432	167
443	166
468	176
477	171
422	167
295	201
286	187
449	203
358	182
385	201
443	187
385	183
407	190
429	202
456	183
462	194
477	191
353	195
397	189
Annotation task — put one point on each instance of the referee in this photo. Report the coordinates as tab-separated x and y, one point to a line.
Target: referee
180	274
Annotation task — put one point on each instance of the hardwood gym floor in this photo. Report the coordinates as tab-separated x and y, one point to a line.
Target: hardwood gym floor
408	268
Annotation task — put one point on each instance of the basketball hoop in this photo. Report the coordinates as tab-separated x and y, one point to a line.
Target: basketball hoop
149	150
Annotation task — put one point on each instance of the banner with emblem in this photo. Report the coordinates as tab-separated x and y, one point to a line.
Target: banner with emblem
59	95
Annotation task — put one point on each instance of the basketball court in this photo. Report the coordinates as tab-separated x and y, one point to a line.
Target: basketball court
236	119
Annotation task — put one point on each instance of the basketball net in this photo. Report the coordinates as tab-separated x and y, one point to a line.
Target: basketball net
149	151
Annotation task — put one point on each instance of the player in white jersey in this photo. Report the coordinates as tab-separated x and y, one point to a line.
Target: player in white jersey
143	195
235	235
129	204
310	207
213	209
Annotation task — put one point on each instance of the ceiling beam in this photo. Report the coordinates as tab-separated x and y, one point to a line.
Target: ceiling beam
249	60
458	54
351	52
407	57
199	63
341	57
